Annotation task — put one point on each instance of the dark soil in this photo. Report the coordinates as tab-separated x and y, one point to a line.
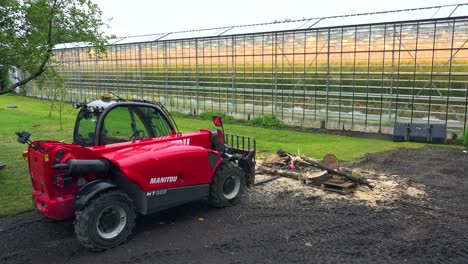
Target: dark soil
283	227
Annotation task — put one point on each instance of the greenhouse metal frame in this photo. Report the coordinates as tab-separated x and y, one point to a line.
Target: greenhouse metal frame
359	72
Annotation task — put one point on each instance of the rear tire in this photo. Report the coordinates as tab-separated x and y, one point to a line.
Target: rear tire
227	186
106	221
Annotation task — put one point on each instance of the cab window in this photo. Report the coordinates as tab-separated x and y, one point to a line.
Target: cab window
126	123
84	128
123	124
158	123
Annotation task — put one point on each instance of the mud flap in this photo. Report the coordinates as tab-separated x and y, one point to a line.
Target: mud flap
89	191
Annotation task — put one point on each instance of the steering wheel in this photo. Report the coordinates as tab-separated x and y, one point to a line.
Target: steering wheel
138	134
82	140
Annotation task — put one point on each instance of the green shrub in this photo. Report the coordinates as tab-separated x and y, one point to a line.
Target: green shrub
209	116
266	121
179	114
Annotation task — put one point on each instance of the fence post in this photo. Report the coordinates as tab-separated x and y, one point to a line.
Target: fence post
141	70
392	75
166	73
275	81
328	79
197	81
233	75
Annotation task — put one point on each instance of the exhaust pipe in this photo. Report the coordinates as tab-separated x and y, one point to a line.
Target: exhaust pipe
81	166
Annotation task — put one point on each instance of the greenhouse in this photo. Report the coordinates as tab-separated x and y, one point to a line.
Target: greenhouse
358	72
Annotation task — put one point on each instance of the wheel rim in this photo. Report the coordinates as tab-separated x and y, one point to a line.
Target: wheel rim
231	187
111	221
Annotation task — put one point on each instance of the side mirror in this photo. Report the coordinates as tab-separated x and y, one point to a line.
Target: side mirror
23	137
217	121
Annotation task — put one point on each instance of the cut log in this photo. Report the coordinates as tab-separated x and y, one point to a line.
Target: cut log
275	159
330	170
284	158
315	177
284	173
315	174
300	162
331	161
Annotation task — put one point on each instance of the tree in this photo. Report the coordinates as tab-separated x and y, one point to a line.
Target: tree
31	28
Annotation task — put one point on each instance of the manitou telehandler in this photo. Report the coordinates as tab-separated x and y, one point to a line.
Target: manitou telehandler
128	158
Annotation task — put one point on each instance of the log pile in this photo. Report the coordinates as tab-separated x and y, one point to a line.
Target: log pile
328	175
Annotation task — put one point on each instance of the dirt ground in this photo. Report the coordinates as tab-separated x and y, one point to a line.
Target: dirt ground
417	214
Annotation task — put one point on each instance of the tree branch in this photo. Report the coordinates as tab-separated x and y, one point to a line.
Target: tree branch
25	81
42	67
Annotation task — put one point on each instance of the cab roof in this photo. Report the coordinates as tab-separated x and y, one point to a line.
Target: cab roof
101	103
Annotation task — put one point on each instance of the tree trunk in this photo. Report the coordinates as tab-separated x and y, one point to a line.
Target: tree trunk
288	174
332	171
42	67
60	112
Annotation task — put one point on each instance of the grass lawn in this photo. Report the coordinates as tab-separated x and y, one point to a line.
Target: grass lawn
32	115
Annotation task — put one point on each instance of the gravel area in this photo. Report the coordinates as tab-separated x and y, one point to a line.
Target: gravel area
417	213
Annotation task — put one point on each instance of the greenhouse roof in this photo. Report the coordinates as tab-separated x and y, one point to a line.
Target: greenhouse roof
415	14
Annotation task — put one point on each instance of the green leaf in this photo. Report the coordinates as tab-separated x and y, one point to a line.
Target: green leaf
31	28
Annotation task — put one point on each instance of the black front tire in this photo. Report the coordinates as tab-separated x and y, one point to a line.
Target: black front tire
227	186
106	221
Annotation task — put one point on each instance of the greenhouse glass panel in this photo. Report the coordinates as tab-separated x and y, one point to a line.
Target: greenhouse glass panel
139	39
271	27
358	72
445	11
309	23
461	11
190	34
